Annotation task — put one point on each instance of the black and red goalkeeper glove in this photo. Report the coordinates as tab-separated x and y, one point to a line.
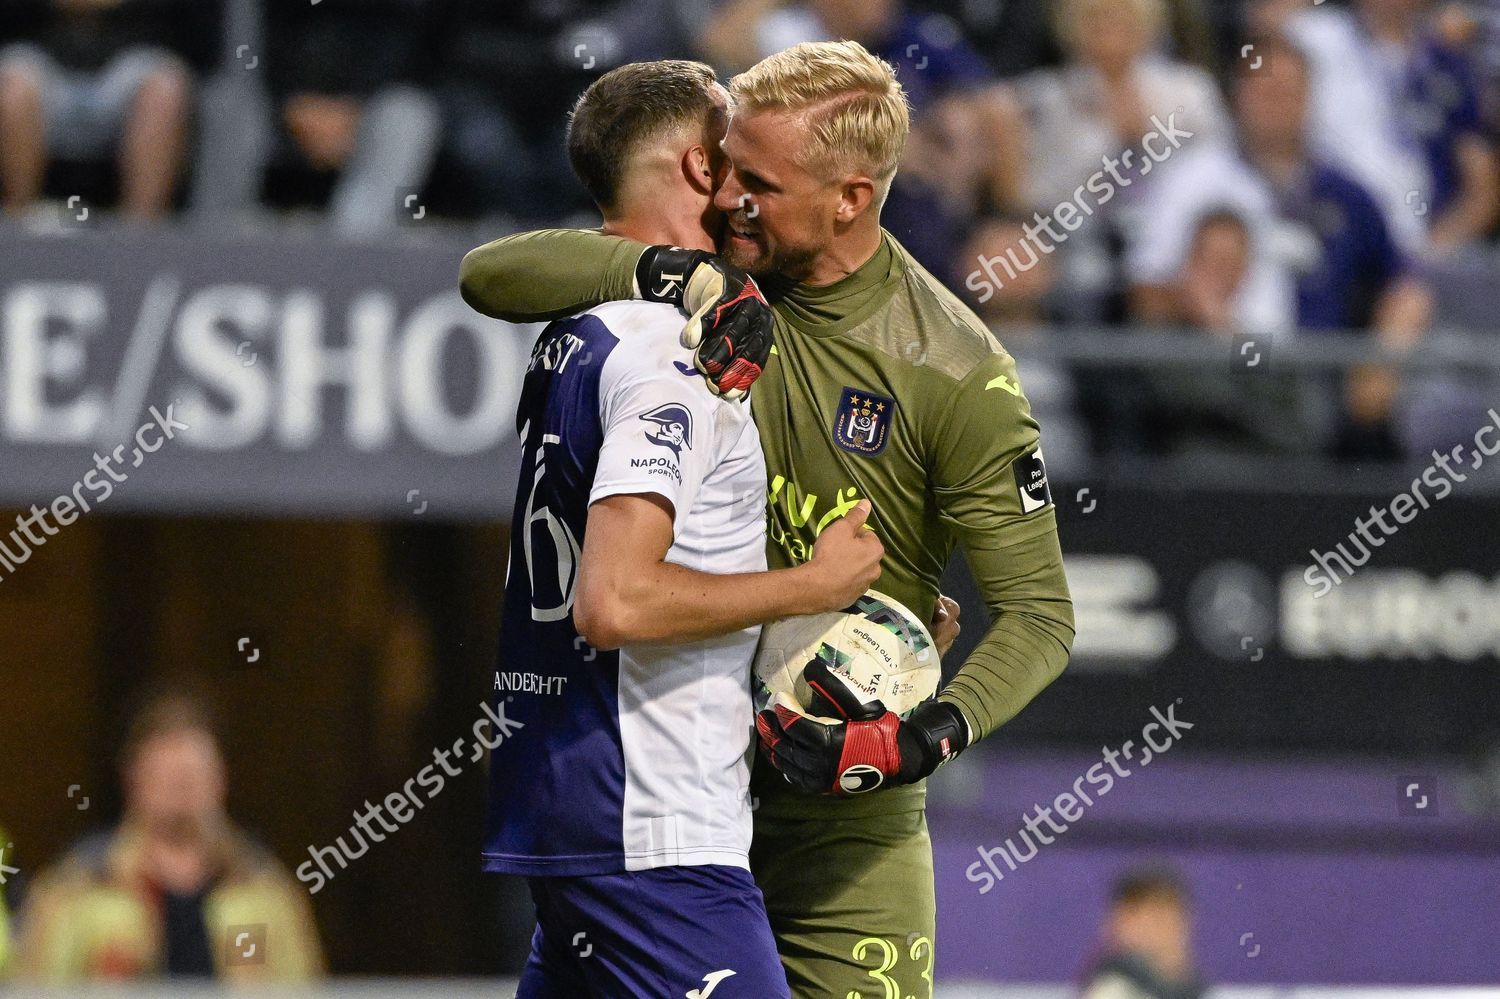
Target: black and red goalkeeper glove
869	747
730	325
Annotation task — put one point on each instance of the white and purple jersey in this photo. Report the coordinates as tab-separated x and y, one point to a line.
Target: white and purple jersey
636	758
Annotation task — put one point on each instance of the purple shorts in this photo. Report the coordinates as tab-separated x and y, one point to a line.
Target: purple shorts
696	932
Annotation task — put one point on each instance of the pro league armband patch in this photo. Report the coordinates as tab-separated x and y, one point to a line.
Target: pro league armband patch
1031	481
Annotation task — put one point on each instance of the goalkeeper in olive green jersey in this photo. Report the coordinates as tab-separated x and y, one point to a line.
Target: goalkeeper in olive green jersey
882	385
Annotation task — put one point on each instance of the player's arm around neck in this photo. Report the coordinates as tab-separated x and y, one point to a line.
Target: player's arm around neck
553	273
628	593
544	275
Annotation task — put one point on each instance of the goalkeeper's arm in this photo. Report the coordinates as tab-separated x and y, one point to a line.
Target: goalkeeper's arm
552	273
991	489
1028	642
544	275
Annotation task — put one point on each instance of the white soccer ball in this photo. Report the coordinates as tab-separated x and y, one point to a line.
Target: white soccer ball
875	645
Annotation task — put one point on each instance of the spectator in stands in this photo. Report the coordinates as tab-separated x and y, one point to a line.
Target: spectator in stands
1397	107
1351	274
1148	941
929	51
1171	410
344	116
1101	100
1096	110
84	81
506	87
1324	258
176	889
1017	38
1205	293
967	143
1008	284
508	75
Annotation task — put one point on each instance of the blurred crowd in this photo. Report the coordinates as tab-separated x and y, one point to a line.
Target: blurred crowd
1244	169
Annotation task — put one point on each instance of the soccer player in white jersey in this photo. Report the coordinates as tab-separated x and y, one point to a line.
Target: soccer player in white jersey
636	589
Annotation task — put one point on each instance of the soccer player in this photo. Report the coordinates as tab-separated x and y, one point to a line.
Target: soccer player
882	387
637	583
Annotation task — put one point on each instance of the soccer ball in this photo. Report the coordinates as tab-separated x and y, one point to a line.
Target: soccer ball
875	645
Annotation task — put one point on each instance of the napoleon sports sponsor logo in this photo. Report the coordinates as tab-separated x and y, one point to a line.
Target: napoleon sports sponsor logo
659	466
674	427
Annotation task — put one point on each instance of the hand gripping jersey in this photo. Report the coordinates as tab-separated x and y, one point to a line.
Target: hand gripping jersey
631	759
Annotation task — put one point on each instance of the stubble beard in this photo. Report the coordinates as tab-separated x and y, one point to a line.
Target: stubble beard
791	264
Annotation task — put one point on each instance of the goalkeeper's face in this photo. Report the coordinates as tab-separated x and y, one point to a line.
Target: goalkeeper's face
781	215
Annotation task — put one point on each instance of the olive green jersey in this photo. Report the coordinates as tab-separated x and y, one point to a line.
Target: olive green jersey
882	386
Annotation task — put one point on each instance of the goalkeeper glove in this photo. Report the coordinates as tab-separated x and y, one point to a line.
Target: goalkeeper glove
861	746
730	325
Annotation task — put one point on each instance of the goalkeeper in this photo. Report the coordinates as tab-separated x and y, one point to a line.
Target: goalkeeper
882	385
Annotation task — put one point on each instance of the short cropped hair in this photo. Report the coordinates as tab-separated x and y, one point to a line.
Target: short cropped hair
628	107
855	106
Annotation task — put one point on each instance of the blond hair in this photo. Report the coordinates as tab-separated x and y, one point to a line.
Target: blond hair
854	106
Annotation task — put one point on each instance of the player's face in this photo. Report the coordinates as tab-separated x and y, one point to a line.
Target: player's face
780	214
